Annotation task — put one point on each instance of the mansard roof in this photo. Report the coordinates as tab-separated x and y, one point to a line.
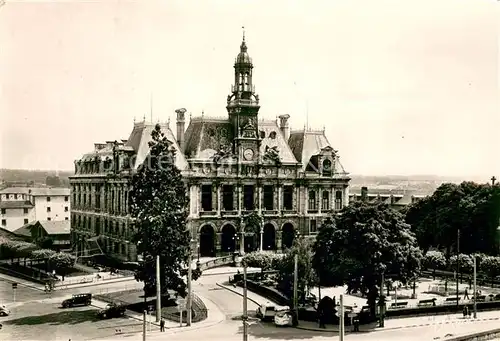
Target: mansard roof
307	143
141	136
205	136
272	137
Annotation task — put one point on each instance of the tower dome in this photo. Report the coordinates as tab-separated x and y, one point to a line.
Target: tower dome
243	57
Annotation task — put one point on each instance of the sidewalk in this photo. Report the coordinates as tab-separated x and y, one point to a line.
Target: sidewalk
22	282
215	316
408	322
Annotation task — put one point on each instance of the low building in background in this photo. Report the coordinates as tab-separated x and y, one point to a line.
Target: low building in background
22	205
397	198
55	235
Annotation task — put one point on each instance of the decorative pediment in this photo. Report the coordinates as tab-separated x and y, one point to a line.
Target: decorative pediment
328	151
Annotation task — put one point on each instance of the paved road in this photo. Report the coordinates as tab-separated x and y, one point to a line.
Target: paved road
38	316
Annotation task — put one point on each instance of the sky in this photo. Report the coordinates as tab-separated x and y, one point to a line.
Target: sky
401	87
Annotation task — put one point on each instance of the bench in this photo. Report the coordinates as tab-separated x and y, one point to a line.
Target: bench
398	305
426	303
480	298
451	300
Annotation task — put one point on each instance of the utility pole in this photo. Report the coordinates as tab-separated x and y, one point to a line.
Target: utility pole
144	322
295	285
245	310
341	317
158	290
475	306
189	300
381	302
261	238
458	263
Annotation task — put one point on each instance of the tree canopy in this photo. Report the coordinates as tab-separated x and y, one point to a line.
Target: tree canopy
472	208
159	204
362	243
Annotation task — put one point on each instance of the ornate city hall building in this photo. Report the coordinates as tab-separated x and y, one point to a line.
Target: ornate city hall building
233	166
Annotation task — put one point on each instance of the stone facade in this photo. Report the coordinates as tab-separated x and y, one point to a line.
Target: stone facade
232	166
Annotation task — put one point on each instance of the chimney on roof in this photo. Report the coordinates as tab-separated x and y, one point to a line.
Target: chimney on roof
284	126
181	123
364	194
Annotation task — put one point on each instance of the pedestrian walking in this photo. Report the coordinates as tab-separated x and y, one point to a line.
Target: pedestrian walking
162	325
466	294
356	323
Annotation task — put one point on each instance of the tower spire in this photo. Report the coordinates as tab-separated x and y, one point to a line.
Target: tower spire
243	28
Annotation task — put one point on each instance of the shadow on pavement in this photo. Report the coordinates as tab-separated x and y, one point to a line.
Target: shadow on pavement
63	317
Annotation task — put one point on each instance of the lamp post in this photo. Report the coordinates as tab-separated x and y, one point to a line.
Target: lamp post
261	237
458	263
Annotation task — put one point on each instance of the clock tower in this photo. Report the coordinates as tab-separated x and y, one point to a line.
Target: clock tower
243	108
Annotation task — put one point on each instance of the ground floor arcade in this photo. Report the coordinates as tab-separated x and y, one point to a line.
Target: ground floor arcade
229	238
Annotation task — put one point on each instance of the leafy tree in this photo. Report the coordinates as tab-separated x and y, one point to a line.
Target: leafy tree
465	263
286	266
434	260
61	262
471	208
362	243
159	204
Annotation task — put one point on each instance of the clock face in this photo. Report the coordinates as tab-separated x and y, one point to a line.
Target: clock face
248	154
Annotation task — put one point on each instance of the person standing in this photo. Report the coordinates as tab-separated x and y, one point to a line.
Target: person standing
162	325
466	294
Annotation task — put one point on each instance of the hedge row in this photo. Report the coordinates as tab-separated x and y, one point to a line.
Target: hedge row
13	249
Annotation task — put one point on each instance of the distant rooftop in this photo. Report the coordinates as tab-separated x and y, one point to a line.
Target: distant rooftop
37	191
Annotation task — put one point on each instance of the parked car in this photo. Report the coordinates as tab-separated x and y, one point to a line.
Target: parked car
4	311
283	317
78	299
111	310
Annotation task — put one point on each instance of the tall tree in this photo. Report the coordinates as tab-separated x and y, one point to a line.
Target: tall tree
159	204
362	243
286	266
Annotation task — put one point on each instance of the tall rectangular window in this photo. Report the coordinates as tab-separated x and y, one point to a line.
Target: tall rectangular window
288	198
248	197
48	199
228	198
66	198
338	200
268	197
312	200
325	204
206	197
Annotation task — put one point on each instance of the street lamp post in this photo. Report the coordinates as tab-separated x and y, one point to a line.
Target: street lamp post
261	237
458	262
